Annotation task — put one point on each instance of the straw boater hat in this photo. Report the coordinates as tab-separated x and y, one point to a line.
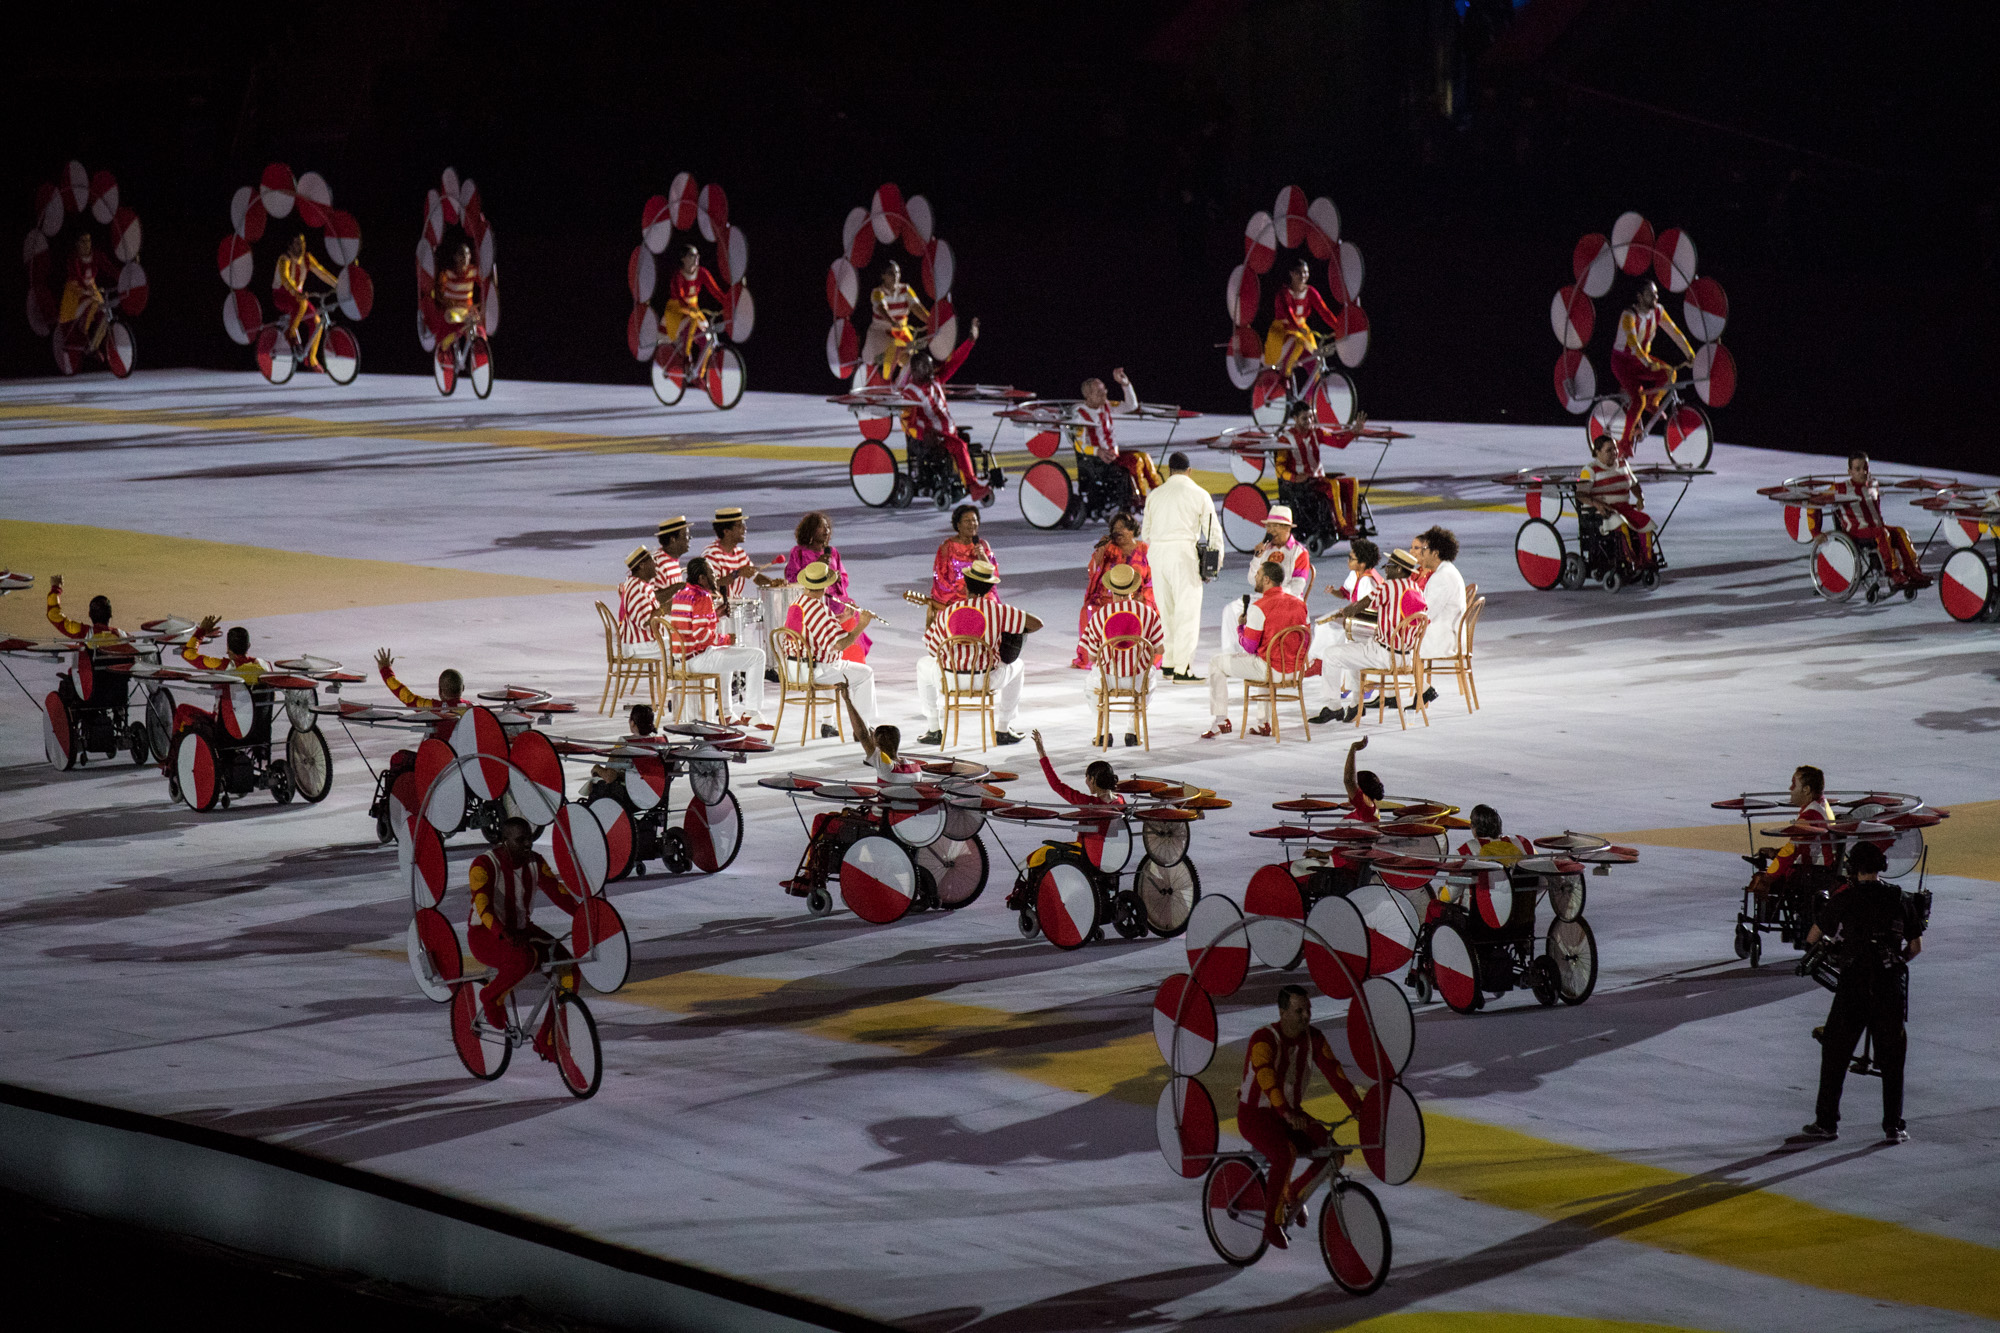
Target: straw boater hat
668	527
1123	580
1404	560
983	571
816	577
638	553
1279	514
733	514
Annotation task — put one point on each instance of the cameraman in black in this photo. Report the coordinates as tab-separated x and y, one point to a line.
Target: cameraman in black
1875	930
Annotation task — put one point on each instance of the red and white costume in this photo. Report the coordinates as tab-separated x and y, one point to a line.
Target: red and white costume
1301	463
695	629
1815	811
1121	667
1291	335
1297	563
1256	643
928	418
1617	488
985	618
249	669
500	930
811	617
683	316
890	336
1400	622
1639	373
1858	513
456	293
1097	437
638	608
667	571
1274	1082
94	635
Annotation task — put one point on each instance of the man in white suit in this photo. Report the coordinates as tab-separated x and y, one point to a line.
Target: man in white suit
1444	592
1179	514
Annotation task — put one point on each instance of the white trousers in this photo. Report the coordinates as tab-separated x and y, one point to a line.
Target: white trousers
742	671
1093	692
1338	657
1226	667
859	678
1177	592
1006	693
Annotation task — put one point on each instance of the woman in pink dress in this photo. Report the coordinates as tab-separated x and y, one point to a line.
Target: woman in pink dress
814	542
1121	547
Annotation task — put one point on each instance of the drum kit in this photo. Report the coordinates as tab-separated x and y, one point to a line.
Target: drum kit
1547	561
1050	497
1071	889
1252	451
1969	583
1461	924
1843	565
880	481
1893	821
1374	1043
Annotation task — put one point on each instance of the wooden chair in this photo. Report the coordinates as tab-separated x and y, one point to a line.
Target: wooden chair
798	683
1459	663
1130	699
701	686
969	691
625	669
1282	686
1405	667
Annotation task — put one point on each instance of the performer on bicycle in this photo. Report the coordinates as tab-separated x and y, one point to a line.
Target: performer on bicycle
1859	515
1643	376
82	298
683	319
455	291
1294	308
890	336
1270	1107
1608	485
1097	436
928	419
501	932
295	266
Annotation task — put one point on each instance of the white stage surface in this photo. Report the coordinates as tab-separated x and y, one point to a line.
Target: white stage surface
936	1122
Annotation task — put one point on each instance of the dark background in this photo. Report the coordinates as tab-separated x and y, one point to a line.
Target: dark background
1093	166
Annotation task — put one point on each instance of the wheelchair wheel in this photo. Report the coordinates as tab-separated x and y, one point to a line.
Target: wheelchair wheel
309	764
60	739
1128	915
341	354
1572	948
160	723
1046	496
724	378
1354	1238
872	472
1244	510
1572	574
1455	968
1742	941
1167	892
1613	580
480	371
1540	554
483	1051
1543	982
1837	567
713	833
1024	921
1966	586
878	879
1066	906
139	744
1566	896
1232	1210
819	902
669	377
281	785
906	492
194	771
958	869
579	1055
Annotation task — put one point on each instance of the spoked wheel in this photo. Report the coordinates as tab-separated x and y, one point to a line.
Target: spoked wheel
579	1056
483	1051
1837	567
1573	949
1566	896
309	763
1128	915
724	378
1354	1238
1455	968
480	370
341	354
160	723
121	349
958	869
669	377
1232	1210
1607	417
1167	893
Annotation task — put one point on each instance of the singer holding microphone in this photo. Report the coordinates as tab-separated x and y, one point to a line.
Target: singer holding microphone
1250	657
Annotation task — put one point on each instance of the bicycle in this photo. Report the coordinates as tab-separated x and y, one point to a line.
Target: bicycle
468	354
711	360
279	350
1690	436
486	1051
1274	395
1354	1240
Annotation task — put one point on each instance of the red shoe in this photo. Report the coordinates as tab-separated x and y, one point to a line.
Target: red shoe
544	1044
496	1017
1261	729
1222	728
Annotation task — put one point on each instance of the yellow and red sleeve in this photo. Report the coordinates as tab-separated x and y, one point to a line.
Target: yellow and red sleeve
482	897
409	697
1330	1070
1262	1065
192	652
1674	332
71	629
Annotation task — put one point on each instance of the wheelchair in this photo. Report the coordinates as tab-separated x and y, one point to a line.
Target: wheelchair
1312	517
1789	908
1558	967
1602	556
232	753
96	720
931	472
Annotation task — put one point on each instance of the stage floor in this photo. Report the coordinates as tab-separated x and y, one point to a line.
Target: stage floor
936	1122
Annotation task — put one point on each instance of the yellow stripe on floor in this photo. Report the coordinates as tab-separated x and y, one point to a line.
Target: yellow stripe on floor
1496	1321
147	577
1721	1220
1967	844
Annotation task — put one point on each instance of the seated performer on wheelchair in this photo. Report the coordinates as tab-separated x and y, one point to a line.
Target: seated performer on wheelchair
1788	871
1270	1107
1100	782
98	633
450	701
833	831
1487	842
501	932
237	662
1643	376
110	689
1096	439
1337	498
1608	488
455	291
928	423
683	320
1858	512
1295	306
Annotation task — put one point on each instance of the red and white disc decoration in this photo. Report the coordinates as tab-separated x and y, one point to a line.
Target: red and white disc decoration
1293	223
686	207
79	203
452	209
278	195
888	220
1636	251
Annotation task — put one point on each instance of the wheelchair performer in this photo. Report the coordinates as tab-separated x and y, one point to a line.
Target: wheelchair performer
1300	464
1607	485
683	319
1120	548
236	660
735	570
1280	546
500	931
1398	608
695	625
455	292
1294	307
1257	651
825	844
812	542
811	618
83	298
881	746
295	267
1643	376
99	633
450	701
1270	1107
1098	439
639	605
1126	613
979	614
668	575
929	421
1485	841
1877	930
1858	512
955	554
1791	862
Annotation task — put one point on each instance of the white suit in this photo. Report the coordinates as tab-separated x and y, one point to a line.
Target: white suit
1178	514
1444	602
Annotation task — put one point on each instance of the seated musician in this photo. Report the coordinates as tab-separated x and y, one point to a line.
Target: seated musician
683	319
1294	307
736	571
928	421
1270	1107
955	554
1120	547
886	350
812	542
1607	486
237	662
1280	545
1778	872
1858	511
668	576
1397	606
1097	440
1123	615
1363	577
693	622
981	615
1304	435
812	619
639	605
500	931
455	292
1256	653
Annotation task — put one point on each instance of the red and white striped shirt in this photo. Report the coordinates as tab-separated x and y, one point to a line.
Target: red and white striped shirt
505	889
985	618
1096	423
930	410
692	621
1117	620
638	607
1399	614
891	309
811	617
1860	507
667	570
457	288
732	569
1610	485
